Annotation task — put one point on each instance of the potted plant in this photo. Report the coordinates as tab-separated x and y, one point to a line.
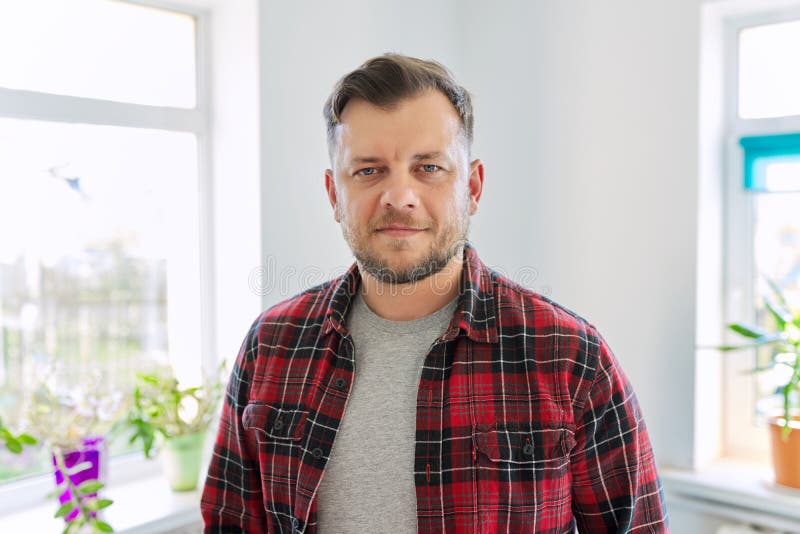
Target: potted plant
783	342
175	419
72	424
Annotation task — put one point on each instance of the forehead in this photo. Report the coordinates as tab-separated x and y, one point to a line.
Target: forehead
425	122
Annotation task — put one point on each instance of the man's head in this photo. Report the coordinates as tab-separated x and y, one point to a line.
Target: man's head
385	80
399	132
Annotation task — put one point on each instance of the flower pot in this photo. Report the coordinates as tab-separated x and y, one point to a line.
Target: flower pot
92	450
181	460
786	453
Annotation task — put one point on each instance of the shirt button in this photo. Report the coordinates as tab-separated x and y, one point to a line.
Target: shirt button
340	382
527	450
295	524
278	424
317	453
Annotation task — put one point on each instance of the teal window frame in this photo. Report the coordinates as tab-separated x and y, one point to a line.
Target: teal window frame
762	150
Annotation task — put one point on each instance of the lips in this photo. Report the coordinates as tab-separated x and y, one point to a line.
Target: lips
397	227
398	230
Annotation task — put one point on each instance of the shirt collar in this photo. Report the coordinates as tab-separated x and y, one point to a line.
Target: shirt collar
475	312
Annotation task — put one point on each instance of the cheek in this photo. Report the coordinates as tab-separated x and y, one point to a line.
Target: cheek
351	212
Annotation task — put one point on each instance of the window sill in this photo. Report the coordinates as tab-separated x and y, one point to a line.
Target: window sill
146	505
735	490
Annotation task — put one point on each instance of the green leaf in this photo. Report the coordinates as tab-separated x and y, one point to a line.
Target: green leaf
748	331
94	504
27	439
65	509
148	379
13	445
103	503
90	486
779	313
102	526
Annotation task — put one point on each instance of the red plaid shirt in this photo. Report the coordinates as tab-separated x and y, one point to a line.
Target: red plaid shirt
525	421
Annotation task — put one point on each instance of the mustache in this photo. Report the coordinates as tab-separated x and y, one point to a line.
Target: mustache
404	221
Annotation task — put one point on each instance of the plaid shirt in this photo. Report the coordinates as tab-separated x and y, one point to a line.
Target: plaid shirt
525	421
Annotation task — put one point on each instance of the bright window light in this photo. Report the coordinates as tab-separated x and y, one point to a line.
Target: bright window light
98	49
776	251
99	258
769	70
783	176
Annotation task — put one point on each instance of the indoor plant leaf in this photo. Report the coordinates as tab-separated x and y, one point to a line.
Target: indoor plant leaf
90	486
748	331
65	509
102	526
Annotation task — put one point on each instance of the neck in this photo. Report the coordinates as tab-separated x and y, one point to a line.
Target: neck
406	302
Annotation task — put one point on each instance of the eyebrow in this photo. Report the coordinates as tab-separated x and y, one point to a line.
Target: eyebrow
417	157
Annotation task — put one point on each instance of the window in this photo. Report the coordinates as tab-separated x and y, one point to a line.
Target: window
762	206
103	183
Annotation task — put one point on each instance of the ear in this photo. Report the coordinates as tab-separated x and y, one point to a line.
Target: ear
475	185
330	187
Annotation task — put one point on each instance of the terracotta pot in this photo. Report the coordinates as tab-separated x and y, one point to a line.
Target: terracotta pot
786	453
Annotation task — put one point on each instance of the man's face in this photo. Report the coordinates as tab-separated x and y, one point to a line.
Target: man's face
406	167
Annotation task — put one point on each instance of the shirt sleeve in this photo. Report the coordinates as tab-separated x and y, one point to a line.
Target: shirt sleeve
616	487
232	496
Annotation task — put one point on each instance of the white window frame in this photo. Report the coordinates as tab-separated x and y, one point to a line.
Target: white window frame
742	437
34	105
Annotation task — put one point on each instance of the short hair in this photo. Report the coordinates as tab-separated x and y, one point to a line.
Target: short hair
385	80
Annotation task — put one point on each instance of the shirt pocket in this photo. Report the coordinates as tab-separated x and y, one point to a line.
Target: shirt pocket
276	433
522	471
274	423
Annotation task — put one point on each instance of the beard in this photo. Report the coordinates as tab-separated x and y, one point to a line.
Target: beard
448	243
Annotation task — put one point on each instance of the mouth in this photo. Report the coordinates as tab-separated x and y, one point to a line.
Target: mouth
399	231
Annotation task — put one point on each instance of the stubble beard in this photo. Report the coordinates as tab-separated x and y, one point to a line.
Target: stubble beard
443	249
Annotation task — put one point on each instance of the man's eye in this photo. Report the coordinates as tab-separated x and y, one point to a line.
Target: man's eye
369	171
429	167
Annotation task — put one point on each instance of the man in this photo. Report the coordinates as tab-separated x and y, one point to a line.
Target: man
422	391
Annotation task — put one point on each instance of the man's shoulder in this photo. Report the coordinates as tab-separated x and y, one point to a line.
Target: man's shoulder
304	309
520	304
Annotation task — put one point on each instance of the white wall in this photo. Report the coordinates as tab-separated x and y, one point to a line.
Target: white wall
305	48
587	123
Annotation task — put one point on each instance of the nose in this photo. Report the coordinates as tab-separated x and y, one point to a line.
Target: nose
399	192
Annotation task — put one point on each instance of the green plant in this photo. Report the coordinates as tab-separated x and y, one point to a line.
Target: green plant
15	443
784	343
163	409
83	497
61	417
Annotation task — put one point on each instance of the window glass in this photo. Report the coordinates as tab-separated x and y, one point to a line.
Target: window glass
777	258
99	255
769	70
98	49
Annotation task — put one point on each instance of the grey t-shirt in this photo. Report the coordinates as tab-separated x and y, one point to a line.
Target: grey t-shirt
368	482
